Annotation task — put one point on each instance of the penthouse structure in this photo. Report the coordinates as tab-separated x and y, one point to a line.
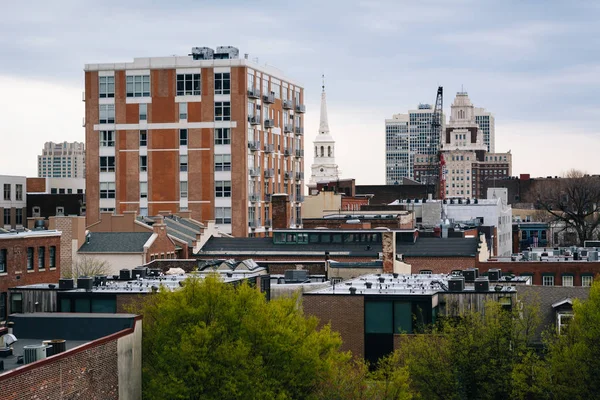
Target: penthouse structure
210	133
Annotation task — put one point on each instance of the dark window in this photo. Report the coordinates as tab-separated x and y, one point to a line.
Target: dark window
188	85
30	258
143	138
7	216
138	86
143	163
3	306
19	216
222	136
41	257
107	164
183	137
16	302
7	191
52	256
222	111
222	83
107	86
3	260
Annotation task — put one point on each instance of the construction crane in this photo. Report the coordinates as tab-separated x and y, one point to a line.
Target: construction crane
437	175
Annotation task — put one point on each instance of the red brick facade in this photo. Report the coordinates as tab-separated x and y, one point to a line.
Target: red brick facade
344	313
540	269
439	265
17	273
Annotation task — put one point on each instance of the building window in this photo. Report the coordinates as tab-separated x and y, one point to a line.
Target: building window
143	190
567	280
107	138
223	188
3	260
548	280
30	259
587	280
183	162
188	85
183	137
222	111
107	87
52	256
41	257
563	319
183	111
19	216
222	136
60	211
36	211
7	191
107	113
183	189
18	192
138	86
143	112
7	216
425	272
143	163
107	190
223	215
107	164
222	162
222	83
16	302
143	138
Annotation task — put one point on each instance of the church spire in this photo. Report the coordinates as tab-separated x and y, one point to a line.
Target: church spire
324	124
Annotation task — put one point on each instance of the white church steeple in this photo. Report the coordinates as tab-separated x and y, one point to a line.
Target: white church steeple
324	167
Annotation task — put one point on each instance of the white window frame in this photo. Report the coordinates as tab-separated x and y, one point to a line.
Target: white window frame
567	280
220	108
108	190
108	167
222	136
183	111
107	138
222	188
138	86
587	280
143	111
144	142
183	137
547	280
195	84
183	189
220	79
222	162
223	215
106	114
144	165
183	162
144	190
106	87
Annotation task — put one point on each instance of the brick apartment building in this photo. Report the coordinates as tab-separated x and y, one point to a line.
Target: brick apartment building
13	201
26	258
211	133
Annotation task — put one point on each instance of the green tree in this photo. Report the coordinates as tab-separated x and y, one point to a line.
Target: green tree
211	340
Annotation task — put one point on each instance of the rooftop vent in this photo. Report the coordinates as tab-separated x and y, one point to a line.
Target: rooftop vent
202	53
34	352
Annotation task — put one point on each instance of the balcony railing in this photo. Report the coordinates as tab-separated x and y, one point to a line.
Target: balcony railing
268	98
299	130
299	176
287	176
254	145
254	119
288	104
269	172
268	197
300	108
268	223
299	198
299	153
287	152
254	171
269	123
255	197
287	128
254	93
269	148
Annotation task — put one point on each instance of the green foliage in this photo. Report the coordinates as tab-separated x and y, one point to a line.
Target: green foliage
210	340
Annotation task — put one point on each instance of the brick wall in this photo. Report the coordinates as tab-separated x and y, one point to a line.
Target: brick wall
36	185
162	244
280	211
539	269
90	373
439	265
344	313
16	271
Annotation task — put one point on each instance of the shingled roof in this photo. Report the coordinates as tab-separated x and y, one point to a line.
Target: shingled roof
115	242
438	247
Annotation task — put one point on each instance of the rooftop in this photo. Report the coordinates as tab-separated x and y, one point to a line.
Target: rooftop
115	242
554	254
28	234
438	247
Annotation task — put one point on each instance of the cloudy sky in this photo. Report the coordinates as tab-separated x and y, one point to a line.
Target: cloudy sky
534	64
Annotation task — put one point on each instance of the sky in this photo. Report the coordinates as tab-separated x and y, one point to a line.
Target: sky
535	65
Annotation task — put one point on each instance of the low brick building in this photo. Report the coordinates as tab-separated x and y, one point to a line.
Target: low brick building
26	258
102	361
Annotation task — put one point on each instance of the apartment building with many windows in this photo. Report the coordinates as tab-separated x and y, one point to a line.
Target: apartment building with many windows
209	133
13	203
62	160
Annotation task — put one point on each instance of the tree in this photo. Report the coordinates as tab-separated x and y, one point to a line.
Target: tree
213	340
86	266
572	202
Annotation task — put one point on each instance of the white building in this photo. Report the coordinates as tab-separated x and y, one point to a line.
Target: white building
407	135
487	124
324	167
13	202
62	160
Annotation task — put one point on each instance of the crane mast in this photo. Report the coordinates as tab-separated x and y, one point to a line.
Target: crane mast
436	130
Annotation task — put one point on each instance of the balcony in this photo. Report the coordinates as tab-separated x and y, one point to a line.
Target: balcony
299	198
299	153
269	123
287	152
269	148
299	130
254	171
269	172
299	176
300	108
288	104
268	197
254	145
254	93
255	197
287	176
254	224
268	98
288	128
268	223
254	119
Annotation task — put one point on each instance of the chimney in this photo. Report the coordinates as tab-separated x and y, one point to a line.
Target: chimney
280	205
10	327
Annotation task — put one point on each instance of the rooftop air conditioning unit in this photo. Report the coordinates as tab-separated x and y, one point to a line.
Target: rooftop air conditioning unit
34	352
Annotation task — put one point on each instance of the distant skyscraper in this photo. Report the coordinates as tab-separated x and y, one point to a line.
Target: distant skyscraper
405	136
324	167
62	160
487	124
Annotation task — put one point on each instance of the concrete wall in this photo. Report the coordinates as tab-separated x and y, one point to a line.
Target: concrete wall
117	262
129	350
314	206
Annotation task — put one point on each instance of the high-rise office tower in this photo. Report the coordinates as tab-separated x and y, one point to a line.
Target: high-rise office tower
62	160
487	124
405	136
204	133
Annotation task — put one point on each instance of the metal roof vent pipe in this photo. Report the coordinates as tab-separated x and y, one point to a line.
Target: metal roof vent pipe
352	290
368	285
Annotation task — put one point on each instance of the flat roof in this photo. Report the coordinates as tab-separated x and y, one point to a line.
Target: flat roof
28	234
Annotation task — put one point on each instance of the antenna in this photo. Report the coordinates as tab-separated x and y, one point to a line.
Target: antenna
323	79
